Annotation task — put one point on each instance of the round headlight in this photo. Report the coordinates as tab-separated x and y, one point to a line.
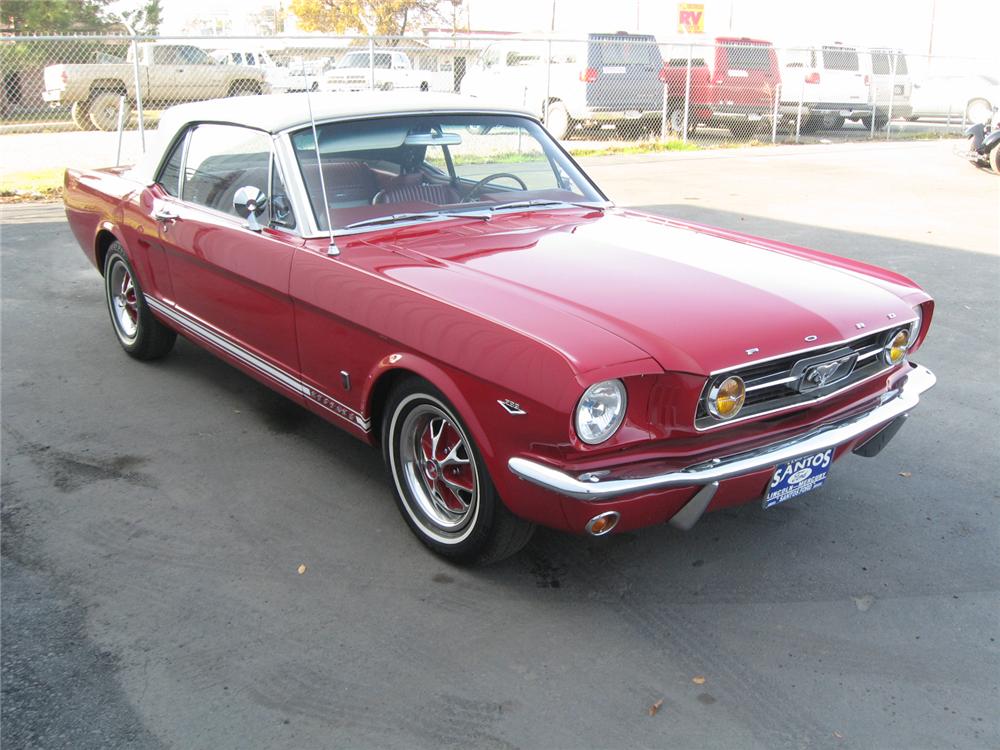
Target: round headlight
915	326
895	349
725	398
600	411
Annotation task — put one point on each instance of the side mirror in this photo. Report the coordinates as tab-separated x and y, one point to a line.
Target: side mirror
250	202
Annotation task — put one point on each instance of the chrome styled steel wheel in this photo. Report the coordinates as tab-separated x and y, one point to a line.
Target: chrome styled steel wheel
439	471
141	335
123	302
443	488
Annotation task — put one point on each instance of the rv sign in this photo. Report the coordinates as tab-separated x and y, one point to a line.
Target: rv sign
690	18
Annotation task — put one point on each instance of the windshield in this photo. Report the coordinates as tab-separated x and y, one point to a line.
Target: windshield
436	165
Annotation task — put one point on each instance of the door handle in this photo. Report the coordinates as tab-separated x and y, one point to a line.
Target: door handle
164	214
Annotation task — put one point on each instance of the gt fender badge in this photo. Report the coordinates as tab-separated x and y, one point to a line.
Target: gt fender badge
511	407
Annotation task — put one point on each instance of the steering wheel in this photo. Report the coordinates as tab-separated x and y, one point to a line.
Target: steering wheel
489	178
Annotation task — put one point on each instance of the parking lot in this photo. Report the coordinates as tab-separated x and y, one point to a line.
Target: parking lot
155	518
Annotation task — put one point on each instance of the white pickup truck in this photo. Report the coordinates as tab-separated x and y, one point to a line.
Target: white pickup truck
168	74
380	69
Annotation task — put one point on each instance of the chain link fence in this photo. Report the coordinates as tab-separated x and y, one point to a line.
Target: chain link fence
598	88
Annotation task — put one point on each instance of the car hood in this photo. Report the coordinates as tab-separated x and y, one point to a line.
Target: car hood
694	301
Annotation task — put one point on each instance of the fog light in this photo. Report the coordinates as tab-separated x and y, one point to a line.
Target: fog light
895	349
726	398
603	524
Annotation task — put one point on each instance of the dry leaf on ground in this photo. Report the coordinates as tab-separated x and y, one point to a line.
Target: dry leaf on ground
655	707
302	569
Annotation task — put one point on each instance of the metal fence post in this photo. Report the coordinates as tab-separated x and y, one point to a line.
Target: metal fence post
138	91
121	128
892	96
548	81
798	114
371	63
774	114
874	107
687	95
663	111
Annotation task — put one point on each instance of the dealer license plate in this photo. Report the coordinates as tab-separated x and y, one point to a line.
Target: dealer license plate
798	477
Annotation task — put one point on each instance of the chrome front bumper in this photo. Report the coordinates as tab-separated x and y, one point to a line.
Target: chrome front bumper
605	485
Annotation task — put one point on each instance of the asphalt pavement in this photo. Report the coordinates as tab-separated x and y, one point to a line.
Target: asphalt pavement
155	518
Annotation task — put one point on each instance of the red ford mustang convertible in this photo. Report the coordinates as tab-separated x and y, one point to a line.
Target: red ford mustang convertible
442	280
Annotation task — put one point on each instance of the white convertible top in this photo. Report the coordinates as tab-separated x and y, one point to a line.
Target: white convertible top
276	112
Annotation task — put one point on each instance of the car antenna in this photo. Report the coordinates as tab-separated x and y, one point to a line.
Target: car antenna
333	249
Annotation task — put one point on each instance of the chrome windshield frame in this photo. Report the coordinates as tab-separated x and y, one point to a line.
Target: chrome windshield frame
299	195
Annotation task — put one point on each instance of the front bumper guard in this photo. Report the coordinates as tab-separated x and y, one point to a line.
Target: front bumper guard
596	486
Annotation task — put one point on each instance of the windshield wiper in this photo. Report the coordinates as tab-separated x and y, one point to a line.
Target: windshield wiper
542	202
392	219
414	216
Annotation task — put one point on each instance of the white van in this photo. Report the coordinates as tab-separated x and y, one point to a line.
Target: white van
830	81
890	87
609	78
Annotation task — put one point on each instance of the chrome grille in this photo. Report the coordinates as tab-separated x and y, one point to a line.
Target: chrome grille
772	385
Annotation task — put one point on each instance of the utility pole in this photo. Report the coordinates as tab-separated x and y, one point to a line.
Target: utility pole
930	41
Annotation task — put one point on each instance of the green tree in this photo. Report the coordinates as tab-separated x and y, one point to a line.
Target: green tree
145	19
381	17
54	16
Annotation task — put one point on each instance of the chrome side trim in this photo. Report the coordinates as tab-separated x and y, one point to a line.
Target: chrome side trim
608	486
202	330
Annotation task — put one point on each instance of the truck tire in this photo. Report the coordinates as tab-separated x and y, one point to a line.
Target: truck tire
79	114
557	120
244	88
103	110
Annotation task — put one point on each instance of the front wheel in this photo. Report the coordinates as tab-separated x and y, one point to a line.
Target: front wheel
141	335
995	159
443	489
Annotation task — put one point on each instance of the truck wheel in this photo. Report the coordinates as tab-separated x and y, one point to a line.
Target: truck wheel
978	110
104	110
244	88
141	335
443	489
880	122
79	112
995	159
557	120
675	121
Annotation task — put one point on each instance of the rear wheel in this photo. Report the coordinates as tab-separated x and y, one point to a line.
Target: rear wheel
103	111
443	489
880	122
141	335
557	120
675	121
79	112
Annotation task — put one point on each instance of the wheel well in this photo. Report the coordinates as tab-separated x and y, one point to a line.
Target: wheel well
107	86
380	395
104	240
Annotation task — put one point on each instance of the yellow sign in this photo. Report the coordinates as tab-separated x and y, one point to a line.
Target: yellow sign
690	18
